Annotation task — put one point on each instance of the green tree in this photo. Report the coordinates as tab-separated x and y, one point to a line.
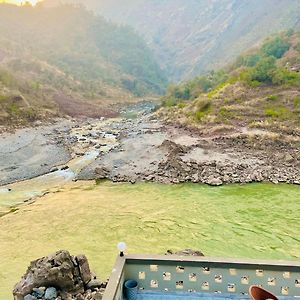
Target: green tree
264	70
275	47
251	60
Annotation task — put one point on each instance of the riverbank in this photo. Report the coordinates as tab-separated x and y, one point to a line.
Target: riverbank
152	151
145	149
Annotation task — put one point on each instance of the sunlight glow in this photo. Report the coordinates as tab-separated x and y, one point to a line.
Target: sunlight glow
21	2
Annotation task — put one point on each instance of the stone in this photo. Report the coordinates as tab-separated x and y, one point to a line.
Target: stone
226	178
288	158
98	296
94	283
66	296
214	181
39	292
84	268
58	270
195	178
29	297
101	172
51	293
79	297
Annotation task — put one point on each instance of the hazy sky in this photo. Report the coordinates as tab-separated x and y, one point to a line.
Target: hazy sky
19	2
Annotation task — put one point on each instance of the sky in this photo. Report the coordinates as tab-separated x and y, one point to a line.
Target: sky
19	2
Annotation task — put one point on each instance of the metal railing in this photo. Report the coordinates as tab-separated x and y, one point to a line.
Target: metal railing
203	274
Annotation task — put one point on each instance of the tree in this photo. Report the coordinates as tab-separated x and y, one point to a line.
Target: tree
264	70
275	47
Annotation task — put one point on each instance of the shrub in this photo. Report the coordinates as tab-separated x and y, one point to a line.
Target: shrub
199	115
263	71
169	101
275	47
13	109
251	60
216	89
3	97
181	105
277	112
203	108
30	114
225	113
284	76
297	101
272	97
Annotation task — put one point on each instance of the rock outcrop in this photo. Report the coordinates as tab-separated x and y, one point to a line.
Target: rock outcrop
59	276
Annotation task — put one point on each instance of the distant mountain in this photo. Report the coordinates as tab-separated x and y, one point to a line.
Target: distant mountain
70	52
192	36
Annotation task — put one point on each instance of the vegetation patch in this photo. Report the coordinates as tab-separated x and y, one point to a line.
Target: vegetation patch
272	97
297	102
203	109
278	112
261	85
225	113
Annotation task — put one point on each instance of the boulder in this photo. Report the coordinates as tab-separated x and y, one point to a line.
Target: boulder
84	268
51	293
60	270
39	292
30	297
214	181
94	283
289	158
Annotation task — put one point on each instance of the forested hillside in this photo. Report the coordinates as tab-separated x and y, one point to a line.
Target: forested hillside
191	37
49	56
260	90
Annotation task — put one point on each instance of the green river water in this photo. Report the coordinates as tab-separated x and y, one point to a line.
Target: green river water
255	221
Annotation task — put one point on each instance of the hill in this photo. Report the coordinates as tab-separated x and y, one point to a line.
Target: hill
65	60
191	37
259	91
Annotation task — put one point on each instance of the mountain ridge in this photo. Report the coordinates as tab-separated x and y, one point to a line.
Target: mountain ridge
192	37
59	58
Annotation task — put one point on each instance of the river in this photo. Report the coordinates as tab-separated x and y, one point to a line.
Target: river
258	220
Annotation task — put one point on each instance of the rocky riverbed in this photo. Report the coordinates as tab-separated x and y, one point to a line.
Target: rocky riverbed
151	151
144	149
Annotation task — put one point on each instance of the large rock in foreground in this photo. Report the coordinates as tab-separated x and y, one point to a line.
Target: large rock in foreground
59	272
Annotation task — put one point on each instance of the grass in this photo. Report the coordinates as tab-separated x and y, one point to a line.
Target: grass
277	112
273	97
169	102
297	102
217	89
225	113
13	109
3	98
203	108
181	105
